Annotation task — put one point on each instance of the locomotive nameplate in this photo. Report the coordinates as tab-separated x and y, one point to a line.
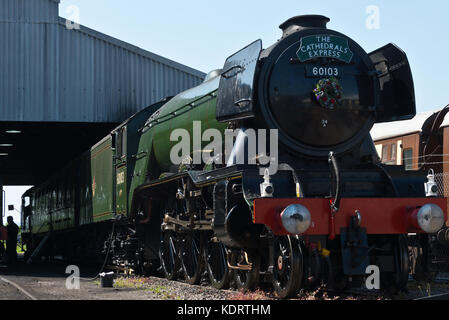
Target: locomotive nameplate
324	46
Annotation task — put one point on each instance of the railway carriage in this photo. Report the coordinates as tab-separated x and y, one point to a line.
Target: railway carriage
313	205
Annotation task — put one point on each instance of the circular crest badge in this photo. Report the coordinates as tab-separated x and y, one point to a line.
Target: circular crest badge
328	92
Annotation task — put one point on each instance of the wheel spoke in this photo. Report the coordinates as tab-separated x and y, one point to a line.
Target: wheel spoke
222	260
191	258
168	255
217	265
172	250
288	270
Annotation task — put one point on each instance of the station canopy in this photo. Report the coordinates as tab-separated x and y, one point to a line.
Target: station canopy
63	87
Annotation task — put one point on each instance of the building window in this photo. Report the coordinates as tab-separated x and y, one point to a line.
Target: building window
393	152
385	153
408	159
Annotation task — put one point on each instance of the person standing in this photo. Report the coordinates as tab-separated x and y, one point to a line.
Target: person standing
11	243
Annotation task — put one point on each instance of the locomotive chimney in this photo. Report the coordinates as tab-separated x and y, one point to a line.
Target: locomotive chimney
302	22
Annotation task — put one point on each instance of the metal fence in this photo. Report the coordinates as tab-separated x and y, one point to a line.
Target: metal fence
442	181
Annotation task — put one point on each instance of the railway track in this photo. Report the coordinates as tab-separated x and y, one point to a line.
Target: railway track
17	291
435	297
415	291
47	281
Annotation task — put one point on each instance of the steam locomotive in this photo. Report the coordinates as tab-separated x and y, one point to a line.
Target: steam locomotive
190	186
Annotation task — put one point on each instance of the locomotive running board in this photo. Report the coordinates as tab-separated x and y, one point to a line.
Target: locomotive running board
199	177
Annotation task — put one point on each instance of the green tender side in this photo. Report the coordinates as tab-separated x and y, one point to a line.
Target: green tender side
99	195
53	203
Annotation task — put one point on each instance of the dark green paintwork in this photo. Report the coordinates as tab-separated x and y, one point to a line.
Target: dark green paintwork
101	181
203	110
178	113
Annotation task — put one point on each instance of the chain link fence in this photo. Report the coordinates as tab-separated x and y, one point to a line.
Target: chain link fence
442	181
440	248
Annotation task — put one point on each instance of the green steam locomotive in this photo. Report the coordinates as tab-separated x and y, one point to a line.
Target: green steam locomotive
191	186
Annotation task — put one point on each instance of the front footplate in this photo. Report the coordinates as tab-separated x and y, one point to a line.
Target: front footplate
377	215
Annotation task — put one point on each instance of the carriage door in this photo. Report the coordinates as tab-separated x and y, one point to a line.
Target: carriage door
120	172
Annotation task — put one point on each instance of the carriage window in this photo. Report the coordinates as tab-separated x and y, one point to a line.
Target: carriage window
38	202
57	198
408	159
54	199
68	195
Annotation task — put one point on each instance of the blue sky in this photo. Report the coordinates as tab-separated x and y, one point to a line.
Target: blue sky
201	34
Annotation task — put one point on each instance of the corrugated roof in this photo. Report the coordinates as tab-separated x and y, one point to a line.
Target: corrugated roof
30	11
52	73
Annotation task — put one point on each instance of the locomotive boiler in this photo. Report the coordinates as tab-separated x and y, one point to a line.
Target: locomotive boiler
264	172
